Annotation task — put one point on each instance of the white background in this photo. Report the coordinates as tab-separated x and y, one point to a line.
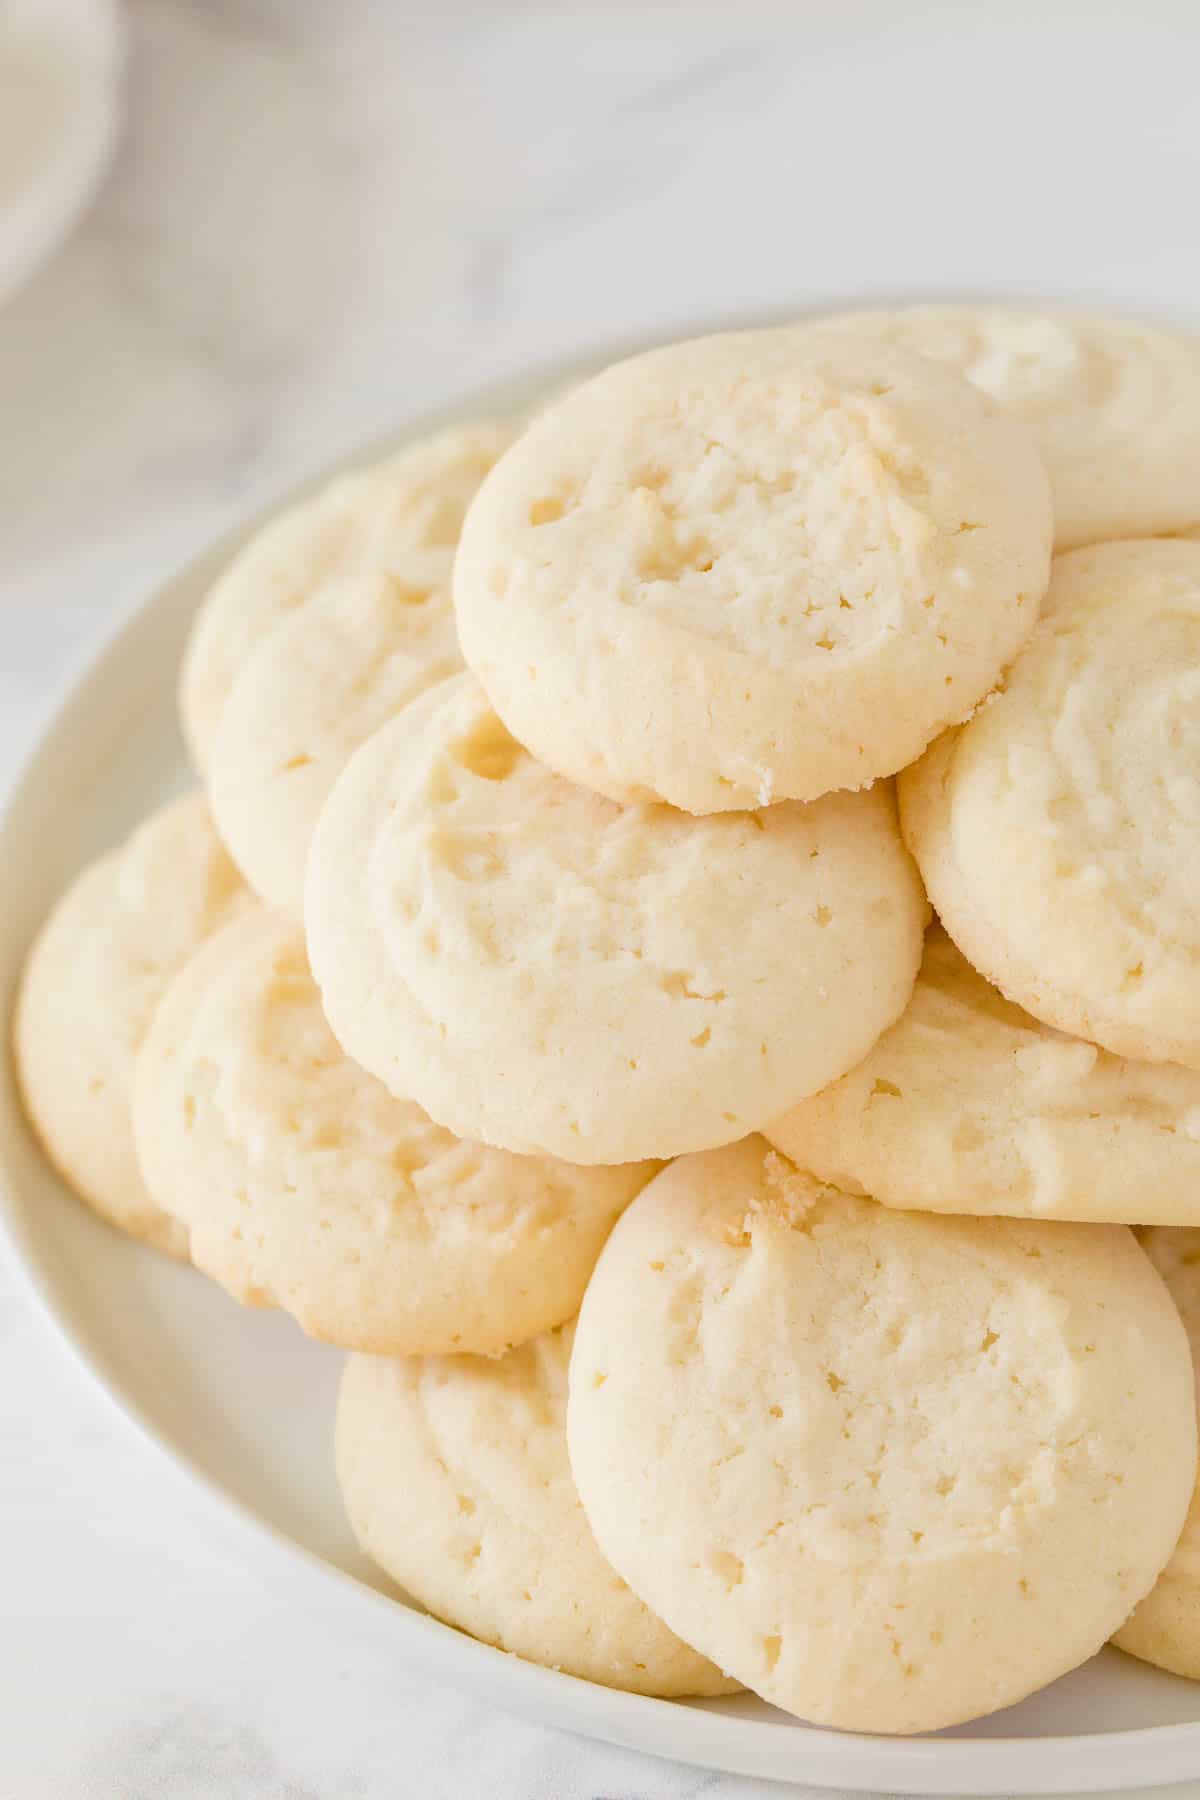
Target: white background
323	219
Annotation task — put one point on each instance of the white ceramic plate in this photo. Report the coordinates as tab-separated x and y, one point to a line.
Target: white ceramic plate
244	1404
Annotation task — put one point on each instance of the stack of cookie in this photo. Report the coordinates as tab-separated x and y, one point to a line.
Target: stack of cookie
541	1002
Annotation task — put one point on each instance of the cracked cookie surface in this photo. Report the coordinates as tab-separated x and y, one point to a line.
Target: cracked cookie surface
756	566
363	524
1113	406
545	970
1059	830
319	685
970	1105
1165	1627
455	1477
97	969
891	1470
305	1185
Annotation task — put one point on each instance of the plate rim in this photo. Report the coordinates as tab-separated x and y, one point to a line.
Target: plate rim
1136	1757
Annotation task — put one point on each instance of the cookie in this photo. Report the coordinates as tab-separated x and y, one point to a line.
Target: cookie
305	1185
316	688
455	1478
752	567
97	970
1059	831
369	522
1113	406
969	1105
892	1471
1165	1627
549	972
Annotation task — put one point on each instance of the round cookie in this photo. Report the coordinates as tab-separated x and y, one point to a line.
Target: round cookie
368	522
547	971
305	1185
1165	1627
752	567
455	1477
96	971
969	1105
1113	406
1059	831
890	1470
318	686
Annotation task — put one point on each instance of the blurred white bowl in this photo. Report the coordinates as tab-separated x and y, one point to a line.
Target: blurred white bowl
61	63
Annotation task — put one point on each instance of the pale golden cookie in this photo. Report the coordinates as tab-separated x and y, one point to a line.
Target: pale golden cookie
752	567
97	969
547	971
305	1185
366	523
892	1471
1114	406
455	1477
1165	1628
969	1105
317	687
1059	831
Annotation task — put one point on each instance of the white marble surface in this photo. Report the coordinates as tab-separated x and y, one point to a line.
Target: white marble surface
323	219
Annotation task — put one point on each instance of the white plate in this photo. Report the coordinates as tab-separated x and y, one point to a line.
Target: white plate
244	1404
